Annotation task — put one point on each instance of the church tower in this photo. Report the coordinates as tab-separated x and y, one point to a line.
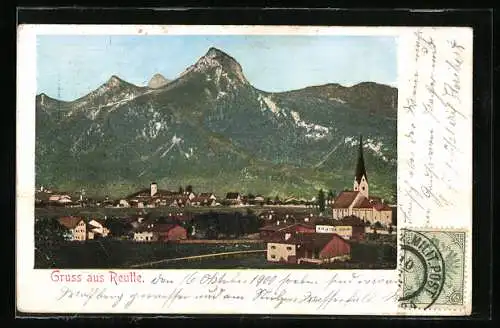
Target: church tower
360	178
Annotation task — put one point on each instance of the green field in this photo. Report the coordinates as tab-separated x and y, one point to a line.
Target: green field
113	254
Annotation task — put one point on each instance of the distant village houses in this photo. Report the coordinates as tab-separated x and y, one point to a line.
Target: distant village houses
233	198
154	197
45	196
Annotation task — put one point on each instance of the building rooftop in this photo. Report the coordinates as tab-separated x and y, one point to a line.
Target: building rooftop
70	222
310	240
345	199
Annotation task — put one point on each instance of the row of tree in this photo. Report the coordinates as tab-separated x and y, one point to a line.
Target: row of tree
322	198
214	225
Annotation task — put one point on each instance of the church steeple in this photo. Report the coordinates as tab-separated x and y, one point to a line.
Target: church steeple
360	177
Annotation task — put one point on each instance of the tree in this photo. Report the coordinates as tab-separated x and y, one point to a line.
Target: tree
331	195
189	188
48	232
181	190
321	200
49	235
394	194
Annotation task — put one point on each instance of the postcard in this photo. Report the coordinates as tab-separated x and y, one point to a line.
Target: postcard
244	170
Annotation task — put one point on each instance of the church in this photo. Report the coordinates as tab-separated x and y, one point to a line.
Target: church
359	202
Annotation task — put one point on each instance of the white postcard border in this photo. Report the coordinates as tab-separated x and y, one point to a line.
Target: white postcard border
37	293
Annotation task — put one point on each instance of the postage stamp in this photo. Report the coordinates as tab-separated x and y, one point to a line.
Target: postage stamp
244	169
432	269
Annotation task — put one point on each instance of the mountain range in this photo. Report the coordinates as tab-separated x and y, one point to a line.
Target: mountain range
210	128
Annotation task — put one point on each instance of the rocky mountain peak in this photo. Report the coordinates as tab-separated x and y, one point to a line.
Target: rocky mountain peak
114	81
214	52
157	81
213	125
218	62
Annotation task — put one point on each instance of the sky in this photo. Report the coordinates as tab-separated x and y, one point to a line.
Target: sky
69	67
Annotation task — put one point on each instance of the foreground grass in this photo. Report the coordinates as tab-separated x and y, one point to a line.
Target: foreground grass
115	254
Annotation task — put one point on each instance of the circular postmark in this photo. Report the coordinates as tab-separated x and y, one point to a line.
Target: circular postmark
422	271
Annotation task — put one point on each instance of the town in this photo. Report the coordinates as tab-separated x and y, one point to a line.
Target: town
174	228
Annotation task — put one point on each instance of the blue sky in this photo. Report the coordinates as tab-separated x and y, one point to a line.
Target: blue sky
69	67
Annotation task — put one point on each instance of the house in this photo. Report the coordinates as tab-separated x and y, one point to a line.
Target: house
150	196
98	228
60	198
234	198
107	202
160	232
189	194
259	200
359	202
309	248
77	228
203	200
124	203
325	228
350	227
282	230
170	232
208	195
322	248
144	233
181	202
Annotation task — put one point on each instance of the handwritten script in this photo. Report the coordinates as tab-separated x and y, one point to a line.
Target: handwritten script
433	119
160	291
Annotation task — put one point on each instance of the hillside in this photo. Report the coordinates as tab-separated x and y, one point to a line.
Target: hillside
211	128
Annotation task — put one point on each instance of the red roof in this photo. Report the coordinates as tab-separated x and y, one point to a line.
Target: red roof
310	240
70	221
382	207
345	199
373	202
365	203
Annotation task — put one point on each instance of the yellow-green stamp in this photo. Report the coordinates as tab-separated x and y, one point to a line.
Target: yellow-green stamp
432	268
